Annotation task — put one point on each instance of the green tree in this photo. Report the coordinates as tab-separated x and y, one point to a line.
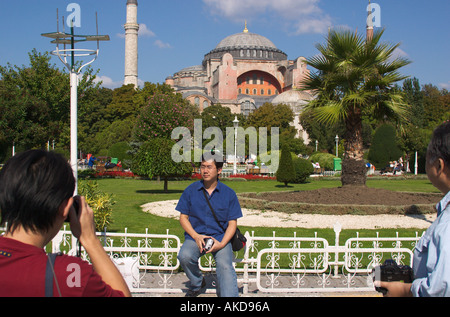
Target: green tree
354	79
35	101
269	115
122	104
154	159
163	113
286	170
384	146
436	106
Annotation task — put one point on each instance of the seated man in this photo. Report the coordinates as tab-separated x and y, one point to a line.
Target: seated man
197	220
36	189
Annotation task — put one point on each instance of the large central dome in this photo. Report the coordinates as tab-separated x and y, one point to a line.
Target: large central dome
248	46
246	40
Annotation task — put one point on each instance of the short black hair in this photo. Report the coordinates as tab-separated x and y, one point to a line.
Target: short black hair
214	155
439	146
33	185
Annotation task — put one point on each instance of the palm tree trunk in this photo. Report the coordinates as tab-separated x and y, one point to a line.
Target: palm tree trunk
353	166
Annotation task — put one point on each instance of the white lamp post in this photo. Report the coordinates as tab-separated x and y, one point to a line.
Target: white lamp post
317	143
70	39
236	125
337	145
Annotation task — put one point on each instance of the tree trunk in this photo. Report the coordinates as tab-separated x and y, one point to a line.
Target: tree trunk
166	184
353	165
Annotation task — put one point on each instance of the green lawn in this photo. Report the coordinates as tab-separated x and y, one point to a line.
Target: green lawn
130	194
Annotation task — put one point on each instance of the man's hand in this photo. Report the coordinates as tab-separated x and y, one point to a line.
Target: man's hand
200	240
395	289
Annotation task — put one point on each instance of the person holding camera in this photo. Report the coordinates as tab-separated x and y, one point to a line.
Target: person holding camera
432	252
203	234
36	189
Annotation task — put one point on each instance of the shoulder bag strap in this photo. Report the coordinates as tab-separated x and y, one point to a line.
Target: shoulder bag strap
212	210
50	274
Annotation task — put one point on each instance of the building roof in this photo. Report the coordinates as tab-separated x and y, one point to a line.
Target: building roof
292	97
132	2
246	40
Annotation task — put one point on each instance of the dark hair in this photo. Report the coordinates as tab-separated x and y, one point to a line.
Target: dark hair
439	146
33	184
214	155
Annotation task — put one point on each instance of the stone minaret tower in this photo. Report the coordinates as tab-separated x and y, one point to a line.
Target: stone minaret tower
369	29
131	44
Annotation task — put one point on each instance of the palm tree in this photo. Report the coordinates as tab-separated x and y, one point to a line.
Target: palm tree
355	78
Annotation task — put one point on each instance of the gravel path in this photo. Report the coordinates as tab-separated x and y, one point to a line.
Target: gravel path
255	218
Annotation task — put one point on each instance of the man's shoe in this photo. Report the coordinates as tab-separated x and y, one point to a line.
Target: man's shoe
191	293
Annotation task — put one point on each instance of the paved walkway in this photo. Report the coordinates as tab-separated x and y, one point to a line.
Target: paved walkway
179	281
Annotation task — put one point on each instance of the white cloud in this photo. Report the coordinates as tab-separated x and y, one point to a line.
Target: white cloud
313	25
162	45
445	85
303	16
108	82
144	31
398	53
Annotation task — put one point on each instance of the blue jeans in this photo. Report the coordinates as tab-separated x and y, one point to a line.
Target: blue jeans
226	275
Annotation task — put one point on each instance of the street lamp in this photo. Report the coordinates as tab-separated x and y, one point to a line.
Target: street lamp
236	125
337	145
317	143
70	39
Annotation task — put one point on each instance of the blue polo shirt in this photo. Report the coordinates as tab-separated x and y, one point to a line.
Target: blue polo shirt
224	202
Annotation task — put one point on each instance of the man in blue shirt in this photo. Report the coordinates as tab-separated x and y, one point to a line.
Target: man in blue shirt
432	253
199	224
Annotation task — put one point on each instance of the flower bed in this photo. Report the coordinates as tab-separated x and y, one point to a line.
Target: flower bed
249	177
114	174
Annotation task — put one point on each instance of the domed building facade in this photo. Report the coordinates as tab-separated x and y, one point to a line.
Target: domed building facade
242	72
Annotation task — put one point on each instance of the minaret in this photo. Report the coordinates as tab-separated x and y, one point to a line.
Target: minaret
131	44
369	34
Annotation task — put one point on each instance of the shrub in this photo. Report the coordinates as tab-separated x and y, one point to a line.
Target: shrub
286	170
325	160
100	202
303	169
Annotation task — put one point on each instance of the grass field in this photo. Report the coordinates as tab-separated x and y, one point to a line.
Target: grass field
130	194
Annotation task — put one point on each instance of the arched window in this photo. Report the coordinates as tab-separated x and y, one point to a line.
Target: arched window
247	107
205	104
197	101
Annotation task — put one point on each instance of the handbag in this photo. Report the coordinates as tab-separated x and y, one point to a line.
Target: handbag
238	240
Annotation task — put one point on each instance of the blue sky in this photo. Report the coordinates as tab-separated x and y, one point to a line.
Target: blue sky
178	33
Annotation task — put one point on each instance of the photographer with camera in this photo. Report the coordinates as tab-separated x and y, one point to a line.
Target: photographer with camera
203	234
36	189
432	252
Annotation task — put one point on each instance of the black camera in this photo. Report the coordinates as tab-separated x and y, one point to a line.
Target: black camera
76	206
390	271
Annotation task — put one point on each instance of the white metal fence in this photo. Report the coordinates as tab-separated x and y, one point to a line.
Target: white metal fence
268	264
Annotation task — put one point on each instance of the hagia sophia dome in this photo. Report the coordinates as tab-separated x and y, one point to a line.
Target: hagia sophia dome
245	39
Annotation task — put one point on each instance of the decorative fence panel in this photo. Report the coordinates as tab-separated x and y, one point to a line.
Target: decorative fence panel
268	264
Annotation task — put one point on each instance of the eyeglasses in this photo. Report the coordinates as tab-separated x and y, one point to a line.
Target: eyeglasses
209	168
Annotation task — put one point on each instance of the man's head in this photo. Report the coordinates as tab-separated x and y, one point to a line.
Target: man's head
33	185
438	157
211	166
